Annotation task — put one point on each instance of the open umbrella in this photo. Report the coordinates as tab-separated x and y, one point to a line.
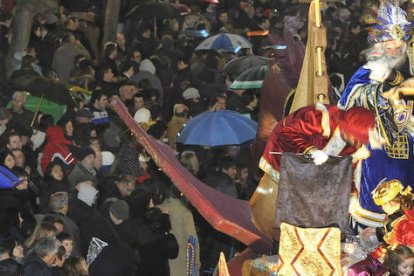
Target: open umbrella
217	128
251	79
224	41
53	91
46	106
8	180
157	10
44	88
236	66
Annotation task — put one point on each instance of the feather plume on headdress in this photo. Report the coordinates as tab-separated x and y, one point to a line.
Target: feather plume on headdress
392	24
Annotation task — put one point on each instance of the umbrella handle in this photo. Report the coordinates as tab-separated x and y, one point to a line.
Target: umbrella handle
36	111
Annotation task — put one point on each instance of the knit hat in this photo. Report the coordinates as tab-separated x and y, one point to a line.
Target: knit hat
86	193
81	153
147	65
191	93
119	209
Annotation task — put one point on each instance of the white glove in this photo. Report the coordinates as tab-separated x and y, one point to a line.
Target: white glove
319	157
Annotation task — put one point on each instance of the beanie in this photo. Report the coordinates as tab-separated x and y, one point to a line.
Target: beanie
191	93
119	209
81	153
147	65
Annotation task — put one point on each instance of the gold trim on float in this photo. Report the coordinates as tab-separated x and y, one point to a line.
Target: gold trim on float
267	168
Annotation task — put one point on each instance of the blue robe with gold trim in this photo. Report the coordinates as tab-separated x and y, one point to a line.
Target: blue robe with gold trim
385	163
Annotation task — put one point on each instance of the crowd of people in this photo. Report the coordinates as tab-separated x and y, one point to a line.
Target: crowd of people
89	199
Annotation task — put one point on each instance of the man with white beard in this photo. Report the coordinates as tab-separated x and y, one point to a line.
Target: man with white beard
367	88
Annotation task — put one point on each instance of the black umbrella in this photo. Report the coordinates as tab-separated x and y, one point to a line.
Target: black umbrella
236	66
158	10
155	10
42	87
251	79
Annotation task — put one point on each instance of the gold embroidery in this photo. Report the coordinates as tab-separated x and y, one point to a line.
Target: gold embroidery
382	128
400	148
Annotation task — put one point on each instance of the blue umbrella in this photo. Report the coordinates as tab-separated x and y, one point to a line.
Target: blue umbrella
7	179
217	128
224	42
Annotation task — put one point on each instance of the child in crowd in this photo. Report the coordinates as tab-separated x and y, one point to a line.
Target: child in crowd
400	261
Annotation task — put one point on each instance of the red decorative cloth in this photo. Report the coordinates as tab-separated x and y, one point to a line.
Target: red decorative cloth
301	131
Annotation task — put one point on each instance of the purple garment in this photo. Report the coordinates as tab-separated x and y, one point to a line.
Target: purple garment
367	267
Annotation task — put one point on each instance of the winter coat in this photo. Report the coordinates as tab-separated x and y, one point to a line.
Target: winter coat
113	260
182	226
56	147
13	202
156	247
80	212
35	266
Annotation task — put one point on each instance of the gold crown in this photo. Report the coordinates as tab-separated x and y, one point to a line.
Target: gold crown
386	191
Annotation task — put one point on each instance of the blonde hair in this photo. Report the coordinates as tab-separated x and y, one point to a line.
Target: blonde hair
189	160
45	229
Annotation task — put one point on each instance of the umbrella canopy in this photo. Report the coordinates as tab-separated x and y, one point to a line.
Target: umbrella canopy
236	66
251	79
46	107
197	2
217	128
224	42
42	87
157	10
8	180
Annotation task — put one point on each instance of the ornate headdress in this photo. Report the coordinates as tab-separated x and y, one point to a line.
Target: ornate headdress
387	191
392	24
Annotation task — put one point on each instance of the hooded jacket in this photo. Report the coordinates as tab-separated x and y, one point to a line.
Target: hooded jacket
56	147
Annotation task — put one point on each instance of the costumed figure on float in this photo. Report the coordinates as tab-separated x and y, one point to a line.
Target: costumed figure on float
318	130
384	70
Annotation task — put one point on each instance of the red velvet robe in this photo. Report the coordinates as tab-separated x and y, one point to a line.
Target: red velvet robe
301	131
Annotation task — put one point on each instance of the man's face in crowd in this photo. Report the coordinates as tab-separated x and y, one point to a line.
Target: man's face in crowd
128	92
108	75
120	39
137	57
18	103
15	142
89	161
19	158
231	171
102	103
126	188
